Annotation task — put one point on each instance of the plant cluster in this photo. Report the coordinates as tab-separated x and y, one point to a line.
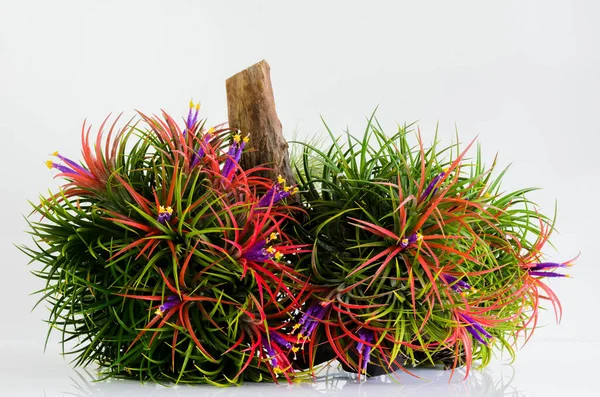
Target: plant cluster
164	260
418	256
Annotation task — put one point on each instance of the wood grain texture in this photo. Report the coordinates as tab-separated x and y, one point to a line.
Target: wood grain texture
251	109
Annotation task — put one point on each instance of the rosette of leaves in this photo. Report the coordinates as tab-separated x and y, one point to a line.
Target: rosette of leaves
165	261
418	257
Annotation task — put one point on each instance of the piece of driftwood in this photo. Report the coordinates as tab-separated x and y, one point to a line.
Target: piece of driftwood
251	109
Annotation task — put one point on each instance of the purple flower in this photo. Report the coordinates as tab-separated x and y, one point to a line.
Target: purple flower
542	269
277	338
234	155
548	265
164	214
192	117
259	252
71	167
413	238
200	153
276	193
270	352
171	302
548	274
456	284
363	347
432	185
309	321
476	330
476	335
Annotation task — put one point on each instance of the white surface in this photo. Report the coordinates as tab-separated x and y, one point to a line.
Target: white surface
540	371
522	75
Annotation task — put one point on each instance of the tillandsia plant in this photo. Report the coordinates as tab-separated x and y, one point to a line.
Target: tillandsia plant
418	258
164	260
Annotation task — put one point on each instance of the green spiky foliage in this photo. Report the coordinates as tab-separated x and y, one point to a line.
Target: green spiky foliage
418	257
165	261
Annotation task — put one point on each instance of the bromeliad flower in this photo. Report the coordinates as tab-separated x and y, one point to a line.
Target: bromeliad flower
277	360
548	274
192	117
260	252
412	239
98	159
171	302
542	269
476	330
364	348
164	214
234	155
276	193
433	185
201	151
271	353
280	340
457	285
310	320
69	166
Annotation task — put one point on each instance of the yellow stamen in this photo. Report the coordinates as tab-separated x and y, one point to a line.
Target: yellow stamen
162	210
404	241
191	104
487	195
246	139
55	153
271	250
159	312
294	190
237	138
568	276
211	130
445	170
197	107
278	255
295	327
277	370
287	188
280	180
49	164
272	236
419	236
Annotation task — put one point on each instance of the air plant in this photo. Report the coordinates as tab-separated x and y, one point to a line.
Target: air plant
164	260
418	258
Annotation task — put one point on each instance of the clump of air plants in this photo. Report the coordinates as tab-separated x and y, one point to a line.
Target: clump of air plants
166	261
418	258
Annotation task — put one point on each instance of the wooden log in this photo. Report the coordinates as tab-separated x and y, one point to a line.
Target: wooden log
251	109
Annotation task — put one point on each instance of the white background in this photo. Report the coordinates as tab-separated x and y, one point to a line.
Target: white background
523	76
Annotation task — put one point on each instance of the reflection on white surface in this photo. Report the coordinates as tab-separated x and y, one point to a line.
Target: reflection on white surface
540	370
334	383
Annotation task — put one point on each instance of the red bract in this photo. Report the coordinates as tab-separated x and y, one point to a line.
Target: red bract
91	178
